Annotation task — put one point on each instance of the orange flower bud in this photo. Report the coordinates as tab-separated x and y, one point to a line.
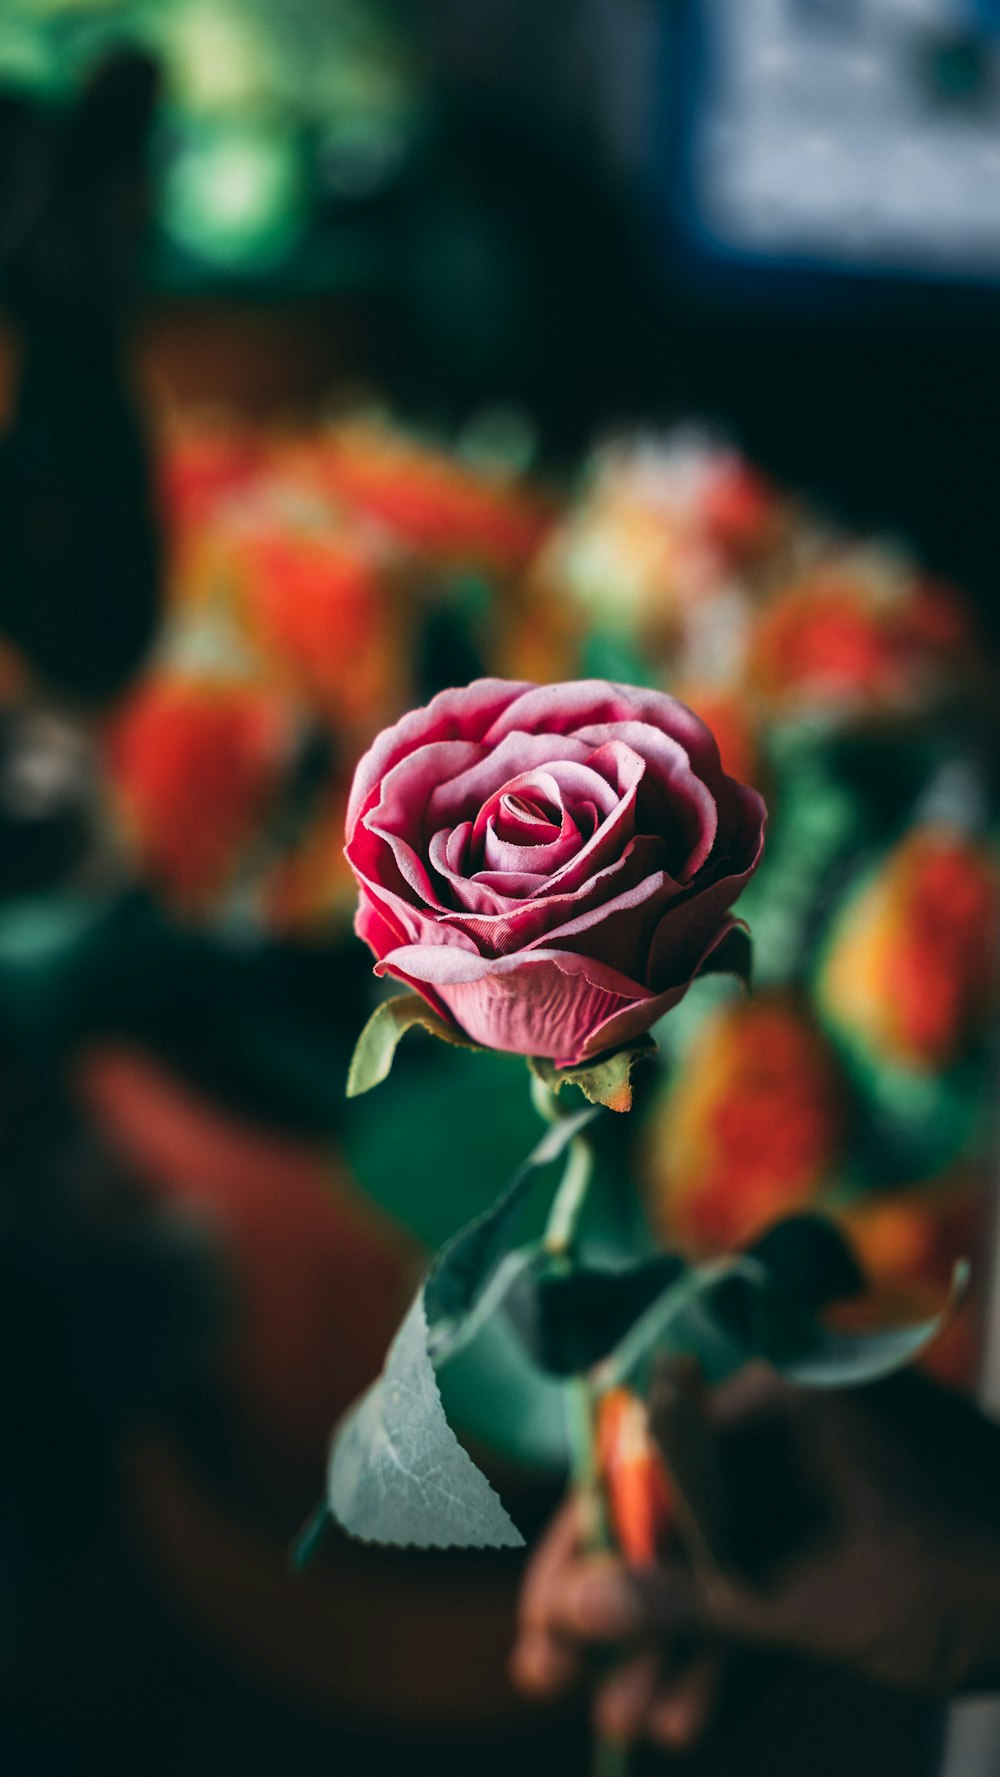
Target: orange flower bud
634	1476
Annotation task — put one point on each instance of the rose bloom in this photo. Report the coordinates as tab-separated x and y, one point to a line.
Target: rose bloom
748	1131
549	865
913	969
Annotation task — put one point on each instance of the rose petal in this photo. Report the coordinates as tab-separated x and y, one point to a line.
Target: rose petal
541	1003
598	703
633	1021
501	924
465	713
672	799
460	795
690	921
619	931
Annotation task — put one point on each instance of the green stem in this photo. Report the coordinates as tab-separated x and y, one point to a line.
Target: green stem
610	1757
568	1202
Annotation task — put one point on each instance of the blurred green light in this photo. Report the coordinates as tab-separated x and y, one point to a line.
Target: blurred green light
234	194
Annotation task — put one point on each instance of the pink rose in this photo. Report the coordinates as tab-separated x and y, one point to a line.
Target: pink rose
549	866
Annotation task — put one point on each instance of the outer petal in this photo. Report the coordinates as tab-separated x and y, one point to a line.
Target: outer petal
542	1002
633	1021
619	932
463	714
376	928
690	922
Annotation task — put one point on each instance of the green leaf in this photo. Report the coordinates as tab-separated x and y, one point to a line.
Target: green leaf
810	1258
569	1320
390	1021
732	1311
465	1282
607	1080
397	1472
834	1359
494	1394
399	1475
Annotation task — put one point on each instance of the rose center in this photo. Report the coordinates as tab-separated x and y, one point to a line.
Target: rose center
526	820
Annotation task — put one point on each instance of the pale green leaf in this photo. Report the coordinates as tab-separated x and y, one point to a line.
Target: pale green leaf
398	1474
377	1044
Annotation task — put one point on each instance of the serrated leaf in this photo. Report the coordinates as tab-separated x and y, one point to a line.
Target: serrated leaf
398	1475
810	1258
493	1392
607	1080
569	1320
388	1024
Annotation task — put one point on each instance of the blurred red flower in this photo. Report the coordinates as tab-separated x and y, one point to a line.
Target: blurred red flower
195	764
913	966
317	604
855	632
749	1130
429	500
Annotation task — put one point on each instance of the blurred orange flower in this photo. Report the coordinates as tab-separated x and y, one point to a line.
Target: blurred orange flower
637	1489
728	715
908	1243
856	632
429	500
311	884
204	459
195	764
317	603
913	966
749	1130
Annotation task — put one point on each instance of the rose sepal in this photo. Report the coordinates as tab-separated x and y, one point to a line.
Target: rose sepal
376	1047
607	1080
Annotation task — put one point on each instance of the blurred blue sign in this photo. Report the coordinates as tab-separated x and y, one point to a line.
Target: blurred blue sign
861	135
